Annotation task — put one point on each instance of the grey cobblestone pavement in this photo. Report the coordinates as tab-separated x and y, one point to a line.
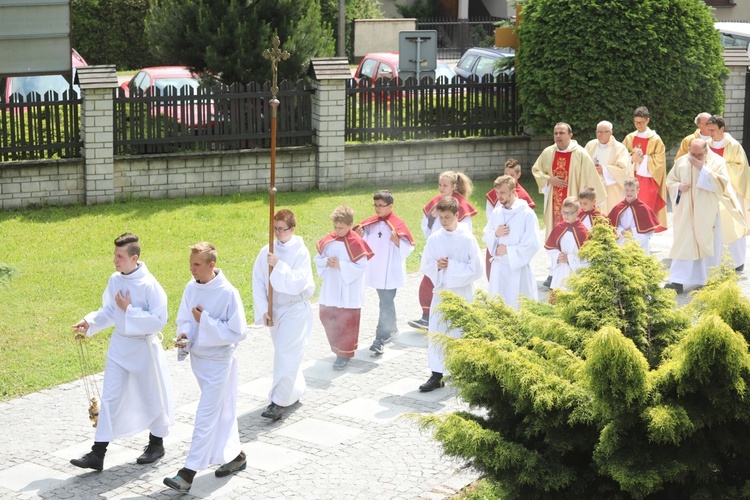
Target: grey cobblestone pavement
350	436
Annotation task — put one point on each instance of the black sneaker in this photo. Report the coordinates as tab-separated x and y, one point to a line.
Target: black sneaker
434	382
340	363
89	461
274	412
548	282
419	324
236	465
178	483
739	268
377	347
677	287
151	454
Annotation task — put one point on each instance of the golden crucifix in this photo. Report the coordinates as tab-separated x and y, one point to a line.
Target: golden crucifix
275	55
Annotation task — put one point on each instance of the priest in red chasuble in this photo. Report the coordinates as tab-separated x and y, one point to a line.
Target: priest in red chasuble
649	159
563	170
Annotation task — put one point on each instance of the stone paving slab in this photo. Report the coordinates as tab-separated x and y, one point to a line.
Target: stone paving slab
347	437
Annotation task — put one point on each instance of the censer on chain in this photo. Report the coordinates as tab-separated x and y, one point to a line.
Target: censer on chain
89	380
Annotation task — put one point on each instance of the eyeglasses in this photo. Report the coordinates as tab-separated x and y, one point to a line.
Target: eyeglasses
281	229
568	213
379	206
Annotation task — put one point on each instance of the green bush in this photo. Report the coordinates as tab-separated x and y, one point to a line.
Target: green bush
583	61
612	393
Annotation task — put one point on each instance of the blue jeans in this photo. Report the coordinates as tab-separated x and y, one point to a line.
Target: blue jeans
387	319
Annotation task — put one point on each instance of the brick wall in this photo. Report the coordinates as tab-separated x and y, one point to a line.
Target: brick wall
53	182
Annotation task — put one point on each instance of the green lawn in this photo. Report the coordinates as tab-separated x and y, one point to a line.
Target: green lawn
63	256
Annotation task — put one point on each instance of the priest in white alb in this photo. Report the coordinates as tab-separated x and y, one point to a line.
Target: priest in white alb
511	236
726	146
612	162
212	319
292	281
706	215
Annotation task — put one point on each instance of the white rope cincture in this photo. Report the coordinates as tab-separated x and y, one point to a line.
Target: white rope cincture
89	379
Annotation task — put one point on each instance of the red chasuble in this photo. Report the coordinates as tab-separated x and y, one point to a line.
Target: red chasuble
393	221
645	218
718	151
580	233
648	188
591	215
356	247
560	168
491	196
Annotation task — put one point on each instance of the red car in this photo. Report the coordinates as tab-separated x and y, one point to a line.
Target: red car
385	65
37	88
173	81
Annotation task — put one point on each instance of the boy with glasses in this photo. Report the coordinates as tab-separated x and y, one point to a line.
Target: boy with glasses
392	243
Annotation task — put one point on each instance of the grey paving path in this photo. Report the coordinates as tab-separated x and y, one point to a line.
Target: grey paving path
350	435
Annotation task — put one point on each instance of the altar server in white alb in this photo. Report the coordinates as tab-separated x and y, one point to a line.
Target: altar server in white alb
451	259
392	243
137	391
511	236
212	318
292	281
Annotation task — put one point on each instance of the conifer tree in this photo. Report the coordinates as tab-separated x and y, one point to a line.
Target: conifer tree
612	393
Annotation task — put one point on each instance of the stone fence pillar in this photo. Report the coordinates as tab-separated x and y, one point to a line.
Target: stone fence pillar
97	132
328	119
736	61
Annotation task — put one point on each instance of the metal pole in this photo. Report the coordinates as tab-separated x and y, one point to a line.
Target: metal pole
275	55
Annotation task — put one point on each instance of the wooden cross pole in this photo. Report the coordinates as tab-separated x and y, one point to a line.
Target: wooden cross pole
275	55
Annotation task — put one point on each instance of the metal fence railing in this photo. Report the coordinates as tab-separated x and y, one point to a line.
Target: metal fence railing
211	117
456	36
38	127
403	110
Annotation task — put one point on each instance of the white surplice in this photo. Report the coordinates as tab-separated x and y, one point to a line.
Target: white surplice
213	340
561	270
464	268
387	268
137	390
511	274
293	285
627	221
344	287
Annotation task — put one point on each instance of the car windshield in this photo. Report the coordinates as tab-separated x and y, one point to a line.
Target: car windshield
25	85
178	85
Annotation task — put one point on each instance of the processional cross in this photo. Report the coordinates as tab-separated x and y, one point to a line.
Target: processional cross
275	55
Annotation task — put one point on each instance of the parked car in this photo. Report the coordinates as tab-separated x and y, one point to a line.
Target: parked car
172	81
385	65
479	61
36	88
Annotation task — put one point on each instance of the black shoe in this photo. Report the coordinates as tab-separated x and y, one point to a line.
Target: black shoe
236	465
151	454
377	347
89	461
548	282
677	287
419	324
178	483
340	363
740	268
274	412
434	382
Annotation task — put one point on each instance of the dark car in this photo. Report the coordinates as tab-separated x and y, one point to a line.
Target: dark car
479	61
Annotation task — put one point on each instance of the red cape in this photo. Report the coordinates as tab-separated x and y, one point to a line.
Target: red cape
491	196
356	247
591	215
580	233
393	221
645	218
464	207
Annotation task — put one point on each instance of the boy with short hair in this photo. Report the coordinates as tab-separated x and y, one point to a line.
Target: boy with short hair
589	210
633	216
212	320
137	391
291	326
341	263
452	260
511	236
392	243
564	241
